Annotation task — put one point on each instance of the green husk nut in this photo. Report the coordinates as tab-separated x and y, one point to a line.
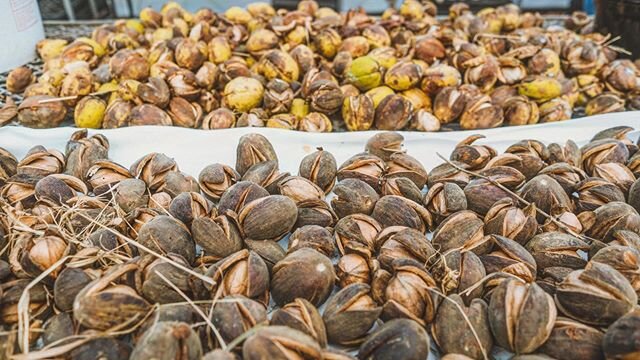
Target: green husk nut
364	73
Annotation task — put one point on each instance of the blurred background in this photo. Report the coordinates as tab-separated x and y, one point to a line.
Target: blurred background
104	9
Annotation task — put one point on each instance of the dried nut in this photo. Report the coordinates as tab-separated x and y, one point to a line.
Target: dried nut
398	338
403	165
101	305
353	196
35	113
557	109
305	274
176	182
220	354
355	268
191	54
482	194
408	293
364	72
215	179
480	113
319	167
234	315
314	237
458	271
568	176
401	186
385	144
57	328
67	285
506	219
131	194
392	210
243	93
117	114
520	111
253	149
108	347
315	122
439	77
393	113
521	316
404	244
597	295
554	249
603	151
315	212
358	112
448	104
603	104
463	229
356	231
616	173
278	96
184	114
129	64
155	92
300	189
188	206
279	64
461	329
509	257
402	76
301	315
265	174
58	188
240	194
170	340
604	221
165	234
325	96
241	273
573	340
595	192
474	156
268	218
150	280
148	114
19	78
618	340
366	167
153	169
280	342
625	259
350	314
546	193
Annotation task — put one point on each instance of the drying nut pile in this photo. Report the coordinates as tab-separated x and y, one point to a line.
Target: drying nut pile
535	251
317	70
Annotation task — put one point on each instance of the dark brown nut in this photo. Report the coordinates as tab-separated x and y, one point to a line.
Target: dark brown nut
221	118
59	188
408	293
350	314
215	179
188	206
278	96
280	342
218	237
403	165
165	235
404	244
101	305
608	218
448	104
325	96
550	277
147	114
104	176
463	229
355	267
393	113
603	151
509	257
444	199
446	172
220	354
458	271
595	192
597	295
555	249
270	251
20	189
117	114
398	338
300	189
131	194
67	285
240	194
569	153
474	156
13	290
108	347
241	273
57	328
625	259
155	92
521	316
615	173
268	218
19	78
305	274
366	167
619	340
151	283
573	340
353	196
301	315
480	113
482	194
461	329
385	144
532	155
266	174
568	176
253	149
170	340
315	212
546	193
403	187
394	210
234	315
184	113
129	64
35	113
320	167
153	169
506	219
314	237
8	165
176	182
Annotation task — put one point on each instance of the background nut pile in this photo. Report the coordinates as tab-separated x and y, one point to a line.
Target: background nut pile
534	251
314	69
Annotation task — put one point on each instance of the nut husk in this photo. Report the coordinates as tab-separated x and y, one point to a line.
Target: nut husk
234	315
301	315
349	314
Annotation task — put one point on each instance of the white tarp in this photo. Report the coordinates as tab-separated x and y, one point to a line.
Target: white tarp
194	149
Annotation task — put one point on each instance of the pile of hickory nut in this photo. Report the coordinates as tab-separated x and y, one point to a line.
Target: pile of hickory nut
314	69
535	251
